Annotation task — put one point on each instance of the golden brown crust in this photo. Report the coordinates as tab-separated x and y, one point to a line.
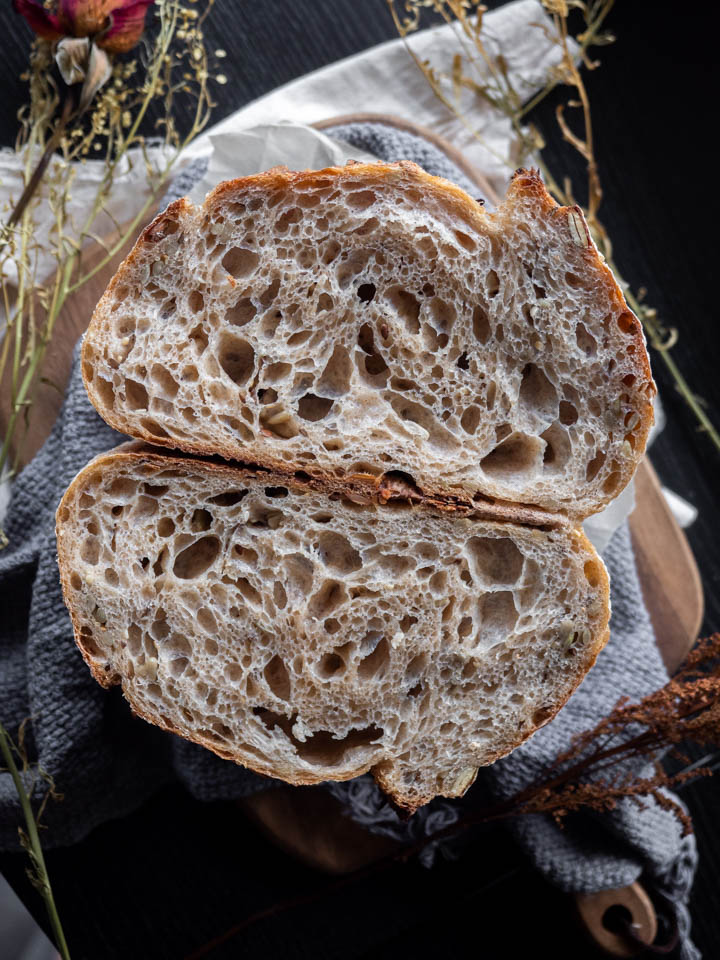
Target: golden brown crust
529	184
372	491
385	782
526	186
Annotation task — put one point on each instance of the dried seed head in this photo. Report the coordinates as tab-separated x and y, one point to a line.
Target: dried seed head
578	228
464	781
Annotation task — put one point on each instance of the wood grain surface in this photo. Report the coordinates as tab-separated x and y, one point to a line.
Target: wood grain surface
667	569
656	161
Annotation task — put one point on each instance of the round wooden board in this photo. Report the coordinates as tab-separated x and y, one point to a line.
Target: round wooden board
668	574
308	823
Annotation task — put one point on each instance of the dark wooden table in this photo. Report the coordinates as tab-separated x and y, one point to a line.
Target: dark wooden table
176	873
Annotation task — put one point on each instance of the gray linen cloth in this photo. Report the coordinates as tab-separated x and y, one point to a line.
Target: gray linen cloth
106	762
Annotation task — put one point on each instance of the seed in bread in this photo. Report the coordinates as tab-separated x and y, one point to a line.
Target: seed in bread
311	635
373	318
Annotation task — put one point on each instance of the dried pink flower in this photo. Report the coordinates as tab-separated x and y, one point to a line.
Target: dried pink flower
114	25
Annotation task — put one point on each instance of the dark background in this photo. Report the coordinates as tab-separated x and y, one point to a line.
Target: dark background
176	874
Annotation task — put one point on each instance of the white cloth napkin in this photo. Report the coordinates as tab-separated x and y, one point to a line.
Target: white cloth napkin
129	192
382	79
385	79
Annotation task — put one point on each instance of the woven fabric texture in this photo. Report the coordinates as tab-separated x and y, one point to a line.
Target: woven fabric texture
106	762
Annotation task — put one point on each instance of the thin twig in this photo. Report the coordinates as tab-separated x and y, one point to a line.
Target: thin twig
39	171
27	335
35	847
497	89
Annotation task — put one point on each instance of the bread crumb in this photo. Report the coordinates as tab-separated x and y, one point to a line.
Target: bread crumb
149	669
300	730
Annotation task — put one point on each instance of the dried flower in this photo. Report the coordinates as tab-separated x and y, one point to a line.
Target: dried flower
114	25
104	122
84	35
80	61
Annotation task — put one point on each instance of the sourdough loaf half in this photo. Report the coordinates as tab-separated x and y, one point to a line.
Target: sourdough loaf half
312	630
370	318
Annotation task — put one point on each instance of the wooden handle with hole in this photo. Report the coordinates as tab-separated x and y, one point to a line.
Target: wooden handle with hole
602	914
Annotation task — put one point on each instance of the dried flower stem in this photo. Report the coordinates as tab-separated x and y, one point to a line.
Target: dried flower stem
176	61
37	175
660	343
40	877
491	82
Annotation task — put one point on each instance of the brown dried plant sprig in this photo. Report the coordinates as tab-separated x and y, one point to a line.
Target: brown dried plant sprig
598	768
595	773
25	777
110	129
476	68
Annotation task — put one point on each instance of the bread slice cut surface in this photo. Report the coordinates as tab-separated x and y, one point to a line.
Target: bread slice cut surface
370	318
311	632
